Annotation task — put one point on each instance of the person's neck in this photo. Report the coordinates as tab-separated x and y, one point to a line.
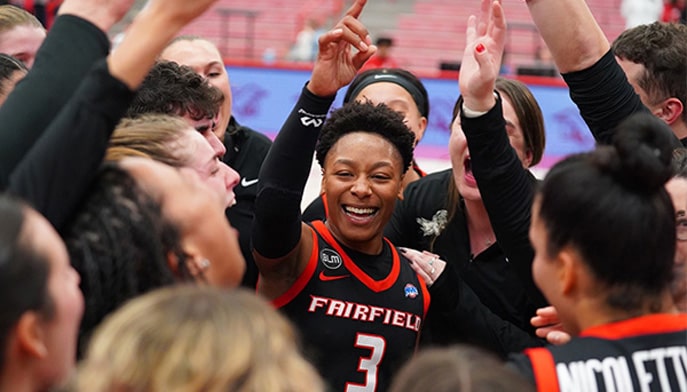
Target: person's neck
373	246
479	227
410	176
680	129
17	380
593	310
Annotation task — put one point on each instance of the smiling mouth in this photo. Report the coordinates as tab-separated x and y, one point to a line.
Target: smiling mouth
360	214
230	200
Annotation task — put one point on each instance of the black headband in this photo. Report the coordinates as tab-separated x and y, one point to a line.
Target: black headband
414	92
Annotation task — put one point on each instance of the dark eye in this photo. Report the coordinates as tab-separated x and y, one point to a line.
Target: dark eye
681	229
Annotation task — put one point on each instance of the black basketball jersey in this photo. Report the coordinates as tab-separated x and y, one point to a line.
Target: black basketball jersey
644	354
356	330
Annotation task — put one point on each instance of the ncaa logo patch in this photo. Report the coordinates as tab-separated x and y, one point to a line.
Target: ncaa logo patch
410	291
330	258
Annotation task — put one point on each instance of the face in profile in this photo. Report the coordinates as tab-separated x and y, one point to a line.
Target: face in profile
204	58
22	42
677	188
204	161
206	127
460	155
546	272
399	100
198	213
634	72
362	178
59	330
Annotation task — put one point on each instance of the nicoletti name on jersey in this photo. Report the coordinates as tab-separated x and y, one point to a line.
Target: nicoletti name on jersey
355	311
663	369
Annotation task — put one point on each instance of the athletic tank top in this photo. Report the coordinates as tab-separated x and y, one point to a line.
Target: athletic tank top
356	330
647	353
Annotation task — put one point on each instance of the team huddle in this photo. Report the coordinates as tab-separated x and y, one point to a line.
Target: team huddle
135	206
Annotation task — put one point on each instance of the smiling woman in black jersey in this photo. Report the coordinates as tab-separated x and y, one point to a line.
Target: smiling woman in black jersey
354	297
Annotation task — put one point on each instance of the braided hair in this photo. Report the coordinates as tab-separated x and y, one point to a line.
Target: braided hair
121	245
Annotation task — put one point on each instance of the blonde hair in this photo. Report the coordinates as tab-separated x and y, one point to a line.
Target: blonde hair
458	368
196	338
12	16
156	136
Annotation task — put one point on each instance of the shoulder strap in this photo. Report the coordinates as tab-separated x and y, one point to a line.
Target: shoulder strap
544	369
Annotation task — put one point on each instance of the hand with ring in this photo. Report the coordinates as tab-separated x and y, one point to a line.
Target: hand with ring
426	264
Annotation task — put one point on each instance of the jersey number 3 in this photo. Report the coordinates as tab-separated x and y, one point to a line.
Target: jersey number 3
376	344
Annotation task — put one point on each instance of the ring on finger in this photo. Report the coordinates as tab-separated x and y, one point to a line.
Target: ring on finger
431	273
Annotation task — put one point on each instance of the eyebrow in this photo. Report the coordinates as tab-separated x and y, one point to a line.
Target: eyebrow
203	128
376	165
209	165
212	64
680	214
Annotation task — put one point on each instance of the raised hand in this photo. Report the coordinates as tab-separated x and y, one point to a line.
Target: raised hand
485	42
148	34
337	63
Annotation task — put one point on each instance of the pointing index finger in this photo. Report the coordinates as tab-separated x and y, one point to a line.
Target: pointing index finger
356	9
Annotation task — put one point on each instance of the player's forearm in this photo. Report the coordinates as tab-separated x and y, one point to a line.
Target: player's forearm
570	31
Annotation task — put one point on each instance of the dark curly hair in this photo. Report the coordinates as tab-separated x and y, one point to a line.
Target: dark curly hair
119	242
170	88
661	48
370	118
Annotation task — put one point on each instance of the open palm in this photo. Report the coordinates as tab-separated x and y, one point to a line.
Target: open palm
485	42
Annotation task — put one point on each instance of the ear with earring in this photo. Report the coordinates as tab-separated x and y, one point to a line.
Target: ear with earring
204	264
197	266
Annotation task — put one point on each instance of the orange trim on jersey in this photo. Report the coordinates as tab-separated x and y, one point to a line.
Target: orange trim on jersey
374	285
425	296
325	205
419	171
302	280
643	325
544	369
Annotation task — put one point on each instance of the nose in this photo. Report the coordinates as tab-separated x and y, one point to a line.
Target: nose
217	145
231	176
361	187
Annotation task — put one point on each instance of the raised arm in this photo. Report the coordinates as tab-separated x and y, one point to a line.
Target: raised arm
75	42
281	241
57	170
582	54
507	188
570	31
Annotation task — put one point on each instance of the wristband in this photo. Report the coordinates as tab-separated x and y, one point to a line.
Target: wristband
470	113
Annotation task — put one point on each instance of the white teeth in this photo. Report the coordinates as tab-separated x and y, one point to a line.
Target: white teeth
360	211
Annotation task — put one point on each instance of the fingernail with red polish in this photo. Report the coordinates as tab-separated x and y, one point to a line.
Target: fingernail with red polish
480	48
